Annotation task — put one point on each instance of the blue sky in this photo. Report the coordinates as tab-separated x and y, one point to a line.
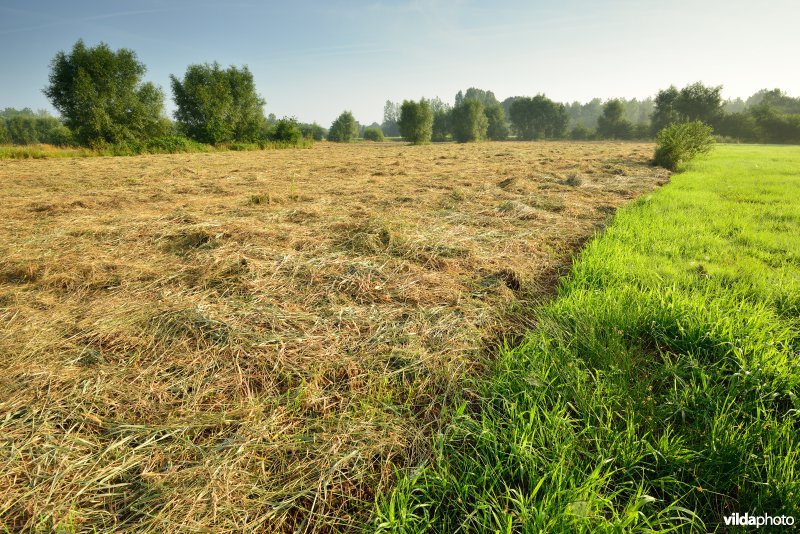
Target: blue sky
313	59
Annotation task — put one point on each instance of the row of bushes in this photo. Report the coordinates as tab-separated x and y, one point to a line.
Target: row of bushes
28	129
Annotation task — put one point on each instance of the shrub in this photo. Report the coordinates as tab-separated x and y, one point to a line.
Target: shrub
580	133
416	121
469	122
286	130
313	131
61	136
680	142
373	134
344	129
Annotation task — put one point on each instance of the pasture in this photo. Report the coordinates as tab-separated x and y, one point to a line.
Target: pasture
261	341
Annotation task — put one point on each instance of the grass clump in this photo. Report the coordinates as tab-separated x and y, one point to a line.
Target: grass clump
681	142
661	389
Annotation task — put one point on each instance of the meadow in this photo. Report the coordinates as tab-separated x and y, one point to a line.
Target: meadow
266	340
659	390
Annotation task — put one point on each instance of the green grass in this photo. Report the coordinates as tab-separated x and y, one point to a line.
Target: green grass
660	389
161	145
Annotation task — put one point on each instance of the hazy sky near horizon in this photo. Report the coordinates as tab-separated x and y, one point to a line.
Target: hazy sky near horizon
313	59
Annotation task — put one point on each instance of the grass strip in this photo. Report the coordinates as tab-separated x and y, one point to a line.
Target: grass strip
659	391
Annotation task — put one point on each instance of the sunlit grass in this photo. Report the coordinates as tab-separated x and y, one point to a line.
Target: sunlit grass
660	390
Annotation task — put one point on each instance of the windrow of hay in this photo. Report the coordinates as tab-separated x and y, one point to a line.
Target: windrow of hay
259	340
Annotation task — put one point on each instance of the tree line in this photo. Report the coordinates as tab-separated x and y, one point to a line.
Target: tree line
769	116
103	101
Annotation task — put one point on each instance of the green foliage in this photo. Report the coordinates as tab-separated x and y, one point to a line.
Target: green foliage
22	130
637	112
441	125
5	138
497	129
538	118
391	118
695	102
468	121
216	105
660	390
373	134
416	121
344	129
486	98
768	116
496	125
313	131
440	131
580	133
23	127
681	142
286	130
773	126
612	125
101	96
61	136
776	99
738	126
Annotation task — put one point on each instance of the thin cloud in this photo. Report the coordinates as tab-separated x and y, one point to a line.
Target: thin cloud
92	18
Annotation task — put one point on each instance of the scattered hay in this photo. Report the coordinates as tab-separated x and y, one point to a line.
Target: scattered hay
196	342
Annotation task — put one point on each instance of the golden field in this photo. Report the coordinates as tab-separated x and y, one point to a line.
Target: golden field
258	341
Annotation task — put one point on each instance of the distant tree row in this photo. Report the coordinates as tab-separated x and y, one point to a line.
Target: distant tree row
24	127
103	100
768	116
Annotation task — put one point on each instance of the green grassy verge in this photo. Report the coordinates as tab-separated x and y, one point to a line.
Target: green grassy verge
166	145
660	390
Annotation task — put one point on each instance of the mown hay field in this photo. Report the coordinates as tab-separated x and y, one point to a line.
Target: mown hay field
248	341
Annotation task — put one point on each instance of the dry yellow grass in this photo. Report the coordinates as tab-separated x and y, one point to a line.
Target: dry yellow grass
256	340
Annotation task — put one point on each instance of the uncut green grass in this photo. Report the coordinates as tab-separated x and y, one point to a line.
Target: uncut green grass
660	391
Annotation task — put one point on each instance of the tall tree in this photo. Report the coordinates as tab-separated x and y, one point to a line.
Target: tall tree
692	103
344	129
469	122
218	105
441	119
538	117
611	124
391	115
101	96
497	129
483	96
416	121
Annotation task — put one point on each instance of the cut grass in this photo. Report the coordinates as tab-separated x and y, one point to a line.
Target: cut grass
659	391
256	341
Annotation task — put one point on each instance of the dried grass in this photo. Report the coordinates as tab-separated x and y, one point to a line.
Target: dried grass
257	340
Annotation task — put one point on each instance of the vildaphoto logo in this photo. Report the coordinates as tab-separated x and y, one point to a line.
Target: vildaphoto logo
758	521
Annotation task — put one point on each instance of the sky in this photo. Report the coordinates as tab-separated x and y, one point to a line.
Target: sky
314	59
